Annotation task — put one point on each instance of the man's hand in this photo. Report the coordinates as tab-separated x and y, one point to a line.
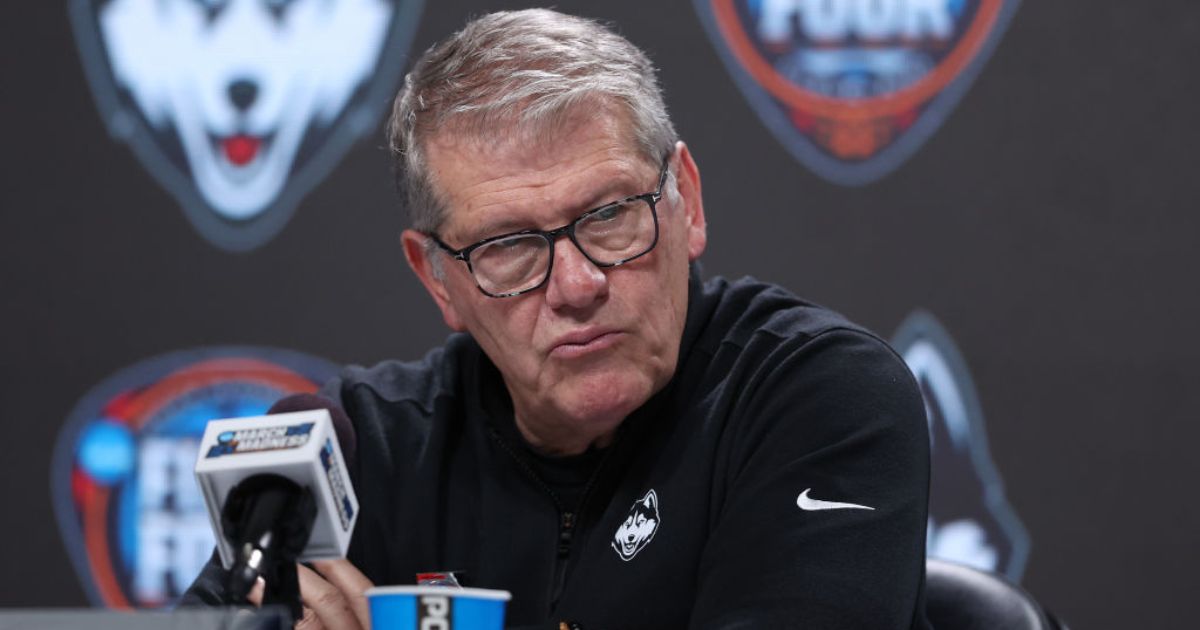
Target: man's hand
334	596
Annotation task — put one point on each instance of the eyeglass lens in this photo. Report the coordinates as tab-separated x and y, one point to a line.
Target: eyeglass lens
607	236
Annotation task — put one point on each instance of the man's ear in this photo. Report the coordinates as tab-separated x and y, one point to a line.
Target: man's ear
687	177
417	254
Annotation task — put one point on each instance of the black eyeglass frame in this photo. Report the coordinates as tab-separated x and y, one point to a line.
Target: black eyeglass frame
651	198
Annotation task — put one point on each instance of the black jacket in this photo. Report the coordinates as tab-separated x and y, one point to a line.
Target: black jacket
773	398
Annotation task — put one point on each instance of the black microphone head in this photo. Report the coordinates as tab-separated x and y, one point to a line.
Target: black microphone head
341	422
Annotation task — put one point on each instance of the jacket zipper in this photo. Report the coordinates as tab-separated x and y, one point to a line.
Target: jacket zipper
566	529
567	521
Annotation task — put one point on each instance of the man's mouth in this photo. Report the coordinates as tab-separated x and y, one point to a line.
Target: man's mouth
584	342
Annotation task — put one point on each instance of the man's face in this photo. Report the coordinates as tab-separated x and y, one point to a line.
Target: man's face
591	345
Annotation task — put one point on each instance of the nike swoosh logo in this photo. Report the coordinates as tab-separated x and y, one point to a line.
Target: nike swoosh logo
809	504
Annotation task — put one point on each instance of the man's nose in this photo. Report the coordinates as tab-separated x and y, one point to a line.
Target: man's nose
574	281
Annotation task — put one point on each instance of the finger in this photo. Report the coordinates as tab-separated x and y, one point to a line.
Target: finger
351	582
332	607
309	621
255	595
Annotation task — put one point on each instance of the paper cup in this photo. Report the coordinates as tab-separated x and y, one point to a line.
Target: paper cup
436	608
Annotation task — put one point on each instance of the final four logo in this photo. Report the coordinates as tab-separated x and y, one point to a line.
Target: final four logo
129	508
240	107
854	87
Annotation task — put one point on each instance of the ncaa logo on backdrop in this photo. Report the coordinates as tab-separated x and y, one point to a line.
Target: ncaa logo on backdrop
131	514
971	521
240	107
853	87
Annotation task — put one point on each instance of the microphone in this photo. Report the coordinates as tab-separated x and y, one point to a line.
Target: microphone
278	491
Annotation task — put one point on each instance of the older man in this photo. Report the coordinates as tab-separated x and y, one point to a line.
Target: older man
615	442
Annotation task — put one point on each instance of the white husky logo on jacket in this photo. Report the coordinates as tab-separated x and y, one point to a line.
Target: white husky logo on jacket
235	95
638	528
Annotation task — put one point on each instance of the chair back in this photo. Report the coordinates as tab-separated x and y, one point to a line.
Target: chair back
962	598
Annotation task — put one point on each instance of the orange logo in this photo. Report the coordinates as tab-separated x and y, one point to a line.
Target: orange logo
853	87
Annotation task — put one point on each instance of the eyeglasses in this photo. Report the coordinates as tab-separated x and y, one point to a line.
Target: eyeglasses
519	262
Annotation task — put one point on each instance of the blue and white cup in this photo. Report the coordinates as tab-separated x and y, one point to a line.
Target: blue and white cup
436	608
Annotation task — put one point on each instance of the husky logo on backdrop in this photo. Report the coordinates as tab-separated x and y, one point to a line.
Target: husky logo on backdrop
638	528
240	107
970	520
131	515
853	87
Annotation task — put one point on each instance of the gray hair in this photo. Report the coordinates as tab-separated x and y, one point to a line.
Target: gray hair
518	72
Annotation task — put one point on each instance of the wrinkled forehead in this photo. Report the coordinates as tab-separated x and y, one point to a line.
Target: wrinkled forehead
518	136
494	151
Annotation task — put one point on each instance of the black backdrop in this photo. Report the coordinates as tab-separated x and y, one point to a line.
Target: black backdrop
1049	224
